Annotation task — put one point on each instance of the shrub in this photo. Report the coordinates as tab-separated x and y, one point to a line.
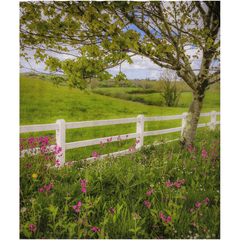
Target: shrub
137	99
133	86
94	83
128	97
170	93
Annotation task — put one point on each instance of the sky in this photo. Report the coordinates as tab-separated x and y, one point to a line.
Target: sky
142	67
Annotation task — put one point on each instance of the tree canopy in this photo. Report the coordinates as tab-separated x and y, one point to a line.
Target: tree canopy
100	35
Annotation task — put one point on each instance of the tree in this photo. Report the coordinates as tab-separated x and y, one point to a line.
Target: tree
99	36
168	88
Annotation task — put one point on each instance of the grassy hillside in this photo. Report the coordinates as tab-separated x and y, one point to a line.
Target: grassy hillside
212	98
42	103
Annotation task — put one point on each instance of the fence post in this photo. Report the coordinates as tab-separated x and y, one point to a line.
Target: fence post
61	139
184	119
213	120
140	129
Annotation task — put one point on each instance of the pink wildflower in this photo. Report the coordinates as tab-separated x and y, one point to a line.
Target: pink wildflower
197	204
83	189
191	210
111	210
147	204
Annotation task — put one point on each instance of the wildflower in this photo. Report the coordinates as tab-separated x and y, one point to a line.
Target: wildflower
184	162
23	209
169	219
204	175
32	227
136	215
204	230
34	175
94	154
77	207
83	189
197	204
147	204
208	199
200	214
111	210
194	169
189	149
194	224
191	210
41	189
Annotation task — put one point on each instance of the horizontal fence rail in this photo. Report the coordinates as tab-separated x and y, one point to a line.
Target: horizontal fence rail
98	140
60	127
100	123
38	128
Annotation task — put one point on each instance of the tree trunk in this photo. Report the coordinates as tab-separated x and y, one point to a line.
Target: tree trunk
190	128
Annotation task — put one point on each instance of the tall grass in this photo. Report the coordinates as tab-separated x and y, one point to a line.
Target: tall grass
159	192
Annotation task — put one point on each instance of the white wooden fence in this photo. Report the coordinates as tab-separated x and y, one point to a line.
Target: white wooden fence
60	127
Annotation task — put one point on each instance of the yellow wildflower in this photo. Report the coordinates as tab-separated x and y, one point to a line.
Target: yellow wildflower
34	175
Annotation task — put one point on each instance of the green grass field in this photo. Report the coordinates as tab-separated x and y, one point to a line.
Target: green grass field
212	98
43	103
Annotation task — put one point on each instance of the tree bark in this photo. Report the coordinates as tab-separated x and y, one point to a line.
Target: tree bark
190	128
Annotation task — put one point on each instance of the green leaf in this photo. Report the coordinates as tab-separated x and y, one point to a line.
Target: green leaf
50	225
138	228
27	233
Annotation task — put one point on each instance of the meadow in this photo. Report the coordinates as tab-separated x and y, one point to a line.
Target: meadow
212	98
43	103
160	192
